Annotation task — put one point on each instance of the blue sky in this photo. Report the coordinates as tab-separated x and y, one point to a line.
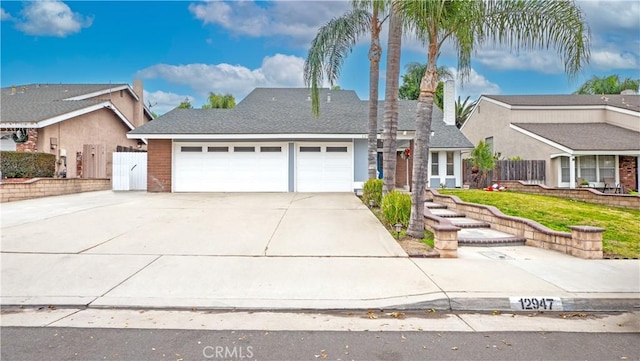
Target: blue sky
189	48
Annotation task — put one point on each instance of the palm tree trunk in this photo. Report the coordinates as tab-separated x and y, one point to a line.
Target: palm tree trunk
391	100
375	51
428	87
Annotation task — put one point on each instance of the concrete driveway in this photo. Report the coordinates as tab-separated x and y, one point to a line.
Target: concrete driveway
265	250
222	224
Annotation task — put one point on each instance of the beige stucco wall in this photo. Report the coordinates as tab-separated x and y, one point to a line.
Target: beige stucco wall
492	120
98	127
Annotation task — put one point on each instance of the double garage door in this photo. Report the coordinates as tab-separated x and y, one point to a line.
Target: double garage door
262	167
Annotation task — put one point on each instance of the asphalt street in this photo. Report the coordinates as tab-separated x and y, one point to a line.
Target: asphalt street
56	344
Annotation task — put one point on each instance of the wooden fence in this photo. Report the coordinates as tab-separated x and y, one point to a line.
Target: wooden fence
531	171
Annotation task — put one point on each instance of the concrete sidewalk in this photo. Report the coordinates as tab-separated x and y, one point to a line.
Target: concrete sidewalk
272	251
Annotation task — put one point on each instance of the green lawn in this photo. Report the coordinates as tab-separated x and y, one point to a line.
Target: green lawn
622	235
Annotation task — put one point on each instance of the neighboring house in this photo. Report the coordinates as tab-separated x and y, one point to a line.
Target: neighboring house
595	138
271	142
82	124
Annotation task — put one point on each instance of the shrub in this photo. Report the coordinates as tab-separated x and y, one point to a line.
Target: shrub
396	208
27	164
372	190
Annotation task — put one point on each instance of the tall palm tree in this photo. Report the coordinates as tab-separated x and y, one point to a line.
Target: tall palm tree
330	48
410	89
608	85
518	24
390	125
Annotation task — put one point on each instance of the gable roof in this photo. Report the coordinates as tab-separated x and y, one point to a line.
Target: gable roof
593	136
287	112
38	105
626	102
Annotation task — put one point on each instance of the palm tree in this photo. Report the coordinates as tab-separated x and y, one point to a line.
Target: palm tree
390	124
608	85
463	110
330	48
410	89
520	25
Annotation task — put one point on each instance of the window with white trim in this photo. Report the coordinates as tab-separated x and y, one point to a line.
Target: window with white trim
450	163
434	163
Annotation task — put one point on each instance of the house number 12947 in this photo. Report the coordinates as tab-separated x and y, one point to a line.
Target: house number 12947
536	303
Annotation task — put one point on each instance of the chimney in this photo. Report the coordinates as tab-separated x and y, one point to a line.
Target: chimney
138	109
449	110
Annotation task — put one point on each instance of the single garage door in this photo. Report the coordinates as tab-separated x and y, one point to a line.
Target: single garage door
233	167
324	167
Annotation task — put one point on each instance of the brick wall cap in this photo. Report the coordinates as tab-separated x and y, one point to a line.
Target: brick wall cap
588	229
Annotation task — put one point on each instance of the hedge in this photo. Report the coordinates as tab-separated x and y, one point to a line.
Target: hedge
27	164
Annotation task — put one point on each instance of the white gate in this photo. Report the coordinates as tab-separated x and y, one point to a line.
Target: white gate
129	171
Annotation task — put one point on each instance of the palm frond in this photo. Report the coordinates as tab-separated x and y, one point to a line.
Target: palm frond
329	49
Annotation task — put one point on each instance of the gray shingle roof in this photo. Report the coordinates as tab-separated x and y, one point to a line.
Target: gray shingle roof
288	111
36	102
593	136
631	102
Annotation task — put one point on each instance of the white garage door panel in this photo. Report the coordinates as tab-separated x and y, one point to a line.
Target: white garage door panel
324	171
231	171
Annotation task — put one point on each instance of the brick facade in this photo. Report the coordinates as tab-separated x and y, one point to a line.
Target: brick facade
31	145
159	165
629	172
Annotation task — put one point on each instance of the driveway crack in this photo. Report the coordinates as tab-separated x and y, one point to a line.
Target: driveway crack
125	280
266	248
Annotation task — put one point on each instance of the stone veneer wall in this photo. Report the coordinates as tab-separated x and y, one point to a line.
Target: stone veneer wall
628	172
589	195
583	241
31	145
45	187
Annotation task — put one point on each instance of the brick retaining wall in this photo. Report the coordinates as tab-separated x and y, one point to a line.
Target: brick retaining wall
589	195
583	241
45	187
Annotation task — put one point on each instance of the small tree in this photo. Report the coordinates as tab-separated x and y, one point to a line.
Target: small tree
482	161
220	101
185	104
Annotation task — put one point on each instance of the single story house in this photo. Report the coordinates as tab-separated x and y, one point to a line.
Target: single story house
590	138
82	124
270	142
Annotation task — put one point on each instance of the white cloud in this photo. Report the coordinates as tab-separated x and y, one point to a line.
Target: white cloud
547	62
607	60
474	86
52	18
299	20
608	15
276	71
162	102
4	15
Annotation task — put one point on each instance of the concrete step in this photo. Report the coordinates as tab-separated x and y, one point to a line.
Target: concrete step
446	213
464	222
478	237
433	205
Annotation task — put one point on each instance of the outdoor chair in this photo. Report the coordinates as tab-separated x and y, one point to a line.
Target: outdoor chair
610	184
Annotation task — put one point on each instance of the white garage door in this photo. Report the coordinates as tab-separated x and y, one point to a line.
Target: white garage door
234	167
324	168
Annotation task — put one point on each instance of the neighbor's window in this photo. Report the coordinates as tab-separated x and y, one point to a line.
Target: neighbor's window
434	163
489	142
607	166
564	169
587	168
449	163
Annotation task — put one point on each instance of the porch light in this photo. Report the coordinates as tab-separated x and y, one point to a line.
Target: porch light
398	228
